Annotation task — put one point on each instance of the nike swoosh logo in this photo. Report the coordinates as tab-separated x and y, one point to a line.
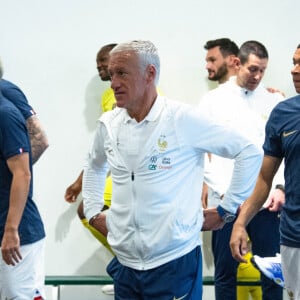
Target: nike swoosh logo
286	134
180	297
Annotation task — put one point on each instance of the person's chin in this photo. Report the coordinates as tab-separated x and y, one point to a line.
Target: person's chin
120	102
211	77
297	85
252	86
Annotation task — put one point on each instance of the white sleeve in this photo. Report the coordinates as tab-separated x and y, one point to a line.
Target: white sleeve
214	175
218	138
94	175
246	168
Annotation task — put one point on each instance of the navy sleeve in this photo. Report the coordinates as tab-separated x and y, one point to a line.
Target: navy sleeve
13	133
14	94
272	145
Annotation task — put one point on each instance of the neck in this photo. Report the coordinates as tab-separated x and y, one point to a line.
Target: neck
143	106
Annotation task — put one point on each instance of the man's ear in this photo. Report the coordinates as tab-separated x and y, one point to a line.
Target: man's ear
150	73
235	61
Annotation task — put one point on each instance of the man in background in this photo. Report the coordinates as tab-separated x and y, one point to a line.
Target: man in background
281	142
221	59
22	234
150	143
108	102
242	102
37	135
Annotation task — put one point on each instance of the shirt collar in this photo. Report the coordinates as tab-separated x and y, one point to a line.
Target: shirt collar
244	92
153	113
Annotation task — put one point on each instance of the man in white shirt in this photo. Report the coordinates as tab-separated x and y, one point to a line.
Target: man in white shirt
281	143
155	148
243	103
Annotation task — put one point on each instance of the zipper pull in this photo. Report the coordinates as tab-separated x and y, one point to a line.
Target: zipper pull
132	176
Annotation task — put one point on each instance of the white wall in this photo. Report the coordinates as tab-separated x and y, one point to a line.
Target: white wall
48	48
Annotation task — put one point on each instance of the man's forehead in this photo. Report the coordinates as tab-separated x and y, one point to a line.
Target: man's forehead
126	54
103	51
297	54
255	60
102	57
122	58
212	52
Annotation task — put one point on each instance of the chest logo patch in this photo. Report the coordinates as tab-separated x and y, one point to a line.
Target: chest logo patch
288	133
162	143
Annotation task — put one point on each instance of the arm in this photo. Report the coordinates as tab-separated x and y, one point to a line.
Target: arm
252	205
274	90
246	167
38	138
74	189
276	199
94	175
19	167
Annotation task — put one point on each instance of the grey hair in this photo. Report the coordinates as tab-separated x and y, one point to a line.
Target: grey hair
146	51
1	70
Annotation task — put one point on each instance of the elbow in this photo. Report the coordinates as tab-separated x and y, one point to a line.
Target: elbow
46	144
27	177
24	176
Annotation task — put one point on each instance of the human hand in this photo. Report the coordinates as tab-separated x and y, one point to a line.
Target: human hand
273	90
239	242
10	247
73	191
275	200
99	223
212	219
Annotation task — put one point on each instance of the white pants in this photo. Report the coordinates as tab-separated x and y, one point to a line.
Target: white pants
25	280
290	261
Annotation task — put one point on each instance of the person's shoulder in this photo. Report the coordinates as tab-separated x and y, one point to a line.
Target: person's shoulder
8	110
283	110
262	91
112	114
289	103
173	105
5	104
215	96
219	90
171	102
6	84
11	91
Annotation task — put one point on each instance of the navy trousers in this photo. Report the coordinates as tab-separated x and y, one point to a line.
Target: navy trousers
177	279
263	232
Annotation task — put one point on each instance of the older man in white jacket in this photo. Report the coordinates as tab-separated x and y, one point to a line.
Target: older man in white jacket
155	148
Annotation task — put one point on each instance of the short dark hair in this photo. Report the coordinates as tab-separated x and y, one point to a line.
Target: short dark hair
298	46
252	47
227	47
108	47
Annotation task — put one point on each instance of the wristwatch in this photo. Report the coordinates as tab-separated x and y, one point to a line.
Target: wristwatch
280	187
227	216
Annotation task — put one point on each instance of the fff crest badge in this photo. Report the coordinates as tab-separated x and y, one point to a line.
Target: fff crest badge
162	143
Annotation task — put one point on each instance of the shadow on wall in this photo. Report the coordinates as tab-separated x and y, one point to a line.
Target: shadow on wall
93	92
63	224
96	263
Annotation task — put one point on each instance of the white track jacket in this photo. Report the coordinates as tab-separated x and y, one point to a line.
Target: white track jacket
157	172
